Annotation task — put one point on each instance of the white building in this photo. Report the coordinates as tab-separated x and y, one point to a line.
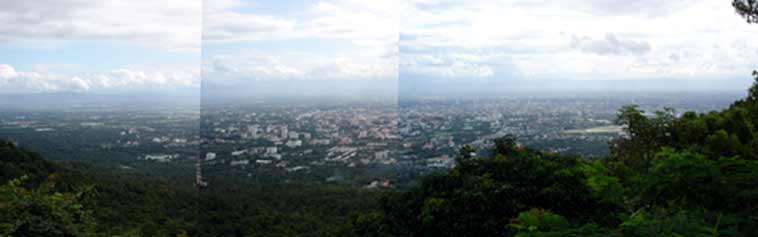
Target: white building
271	150
239	162
263	161
210	156
161	157
239	153
294	143
382	155
285	132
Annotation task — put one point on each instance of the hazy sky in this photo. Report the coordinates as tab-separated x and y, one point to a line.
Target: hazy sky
124	46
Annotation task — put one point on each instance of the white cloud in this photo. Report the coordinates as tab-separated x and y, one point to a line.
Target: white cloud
333	19
583	39
595	39
611	44
234	27
257	65
331	39
167	24
13	81
6	71
643	8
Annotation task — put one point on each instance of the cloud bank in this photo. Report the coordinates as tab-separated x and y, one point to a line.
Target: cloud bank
20	82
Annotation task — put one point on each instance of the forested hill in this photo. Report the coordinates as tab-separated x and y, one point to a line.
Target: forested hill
42	198
688	175
17	162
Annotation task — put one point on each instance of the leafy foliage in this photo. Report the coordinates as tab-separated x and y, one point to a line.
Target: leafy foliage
480	196
42	212
748	9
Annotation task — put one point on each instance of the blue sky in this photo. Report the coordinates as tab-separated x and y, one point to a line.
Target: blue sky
99	46
86	55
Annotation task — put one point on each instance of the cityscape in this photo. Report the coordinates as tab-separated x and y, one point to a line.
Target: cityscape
380	118
355	141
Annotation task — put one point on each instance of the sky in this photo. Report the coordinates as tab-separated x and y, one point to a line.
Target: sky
99	46
254	47
266	40
286	48
577	39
